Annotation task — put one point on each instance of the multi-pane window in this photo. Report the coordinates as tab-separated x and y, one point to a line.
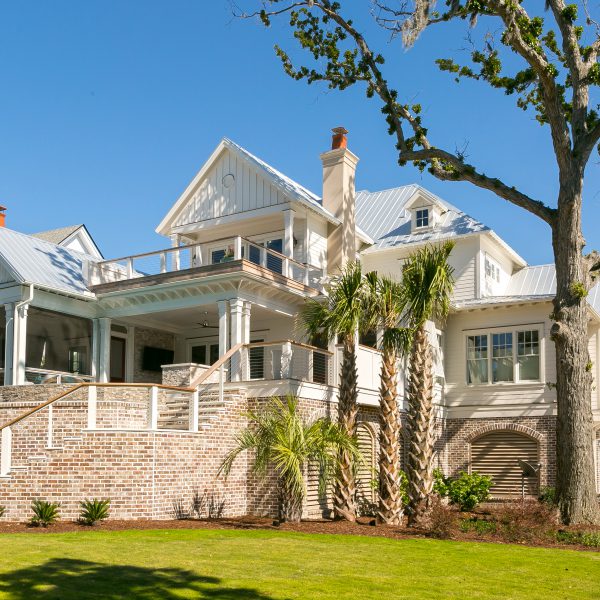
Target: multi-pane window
492	270
422	217
477	358
528	355
507	361
502	357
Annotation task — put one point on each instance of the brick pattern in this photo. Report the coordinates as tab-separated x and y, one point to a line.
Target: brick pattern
155	339
145	472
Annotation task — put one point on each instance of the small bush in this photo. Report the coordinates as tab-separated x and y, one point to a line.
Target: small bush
199	503
591	539
479	526
2	511
216	506
548	495
469	490
93	511
44	513
441	520
441	483
525	520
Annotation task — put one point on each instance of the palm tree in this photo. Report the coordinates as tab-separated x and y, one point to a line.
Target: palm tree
285	443
386	311
427	284
341	317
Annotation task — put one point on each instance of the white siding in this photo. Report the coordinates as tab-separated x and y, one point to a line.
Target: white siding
317	241
500	258
508	399
211	199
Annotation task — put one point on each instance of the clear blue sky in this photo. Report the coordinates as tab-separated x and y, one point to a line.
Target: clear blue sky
108	109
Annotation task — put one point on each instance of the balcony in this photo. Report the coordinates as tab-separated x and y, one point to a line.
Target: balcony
216	256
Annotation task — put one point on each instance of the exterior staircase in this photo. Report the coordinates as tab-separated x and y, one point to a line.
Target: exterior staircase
175	413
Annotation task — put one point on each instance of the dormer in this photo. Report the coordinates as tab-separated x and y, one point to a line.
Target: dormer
425	212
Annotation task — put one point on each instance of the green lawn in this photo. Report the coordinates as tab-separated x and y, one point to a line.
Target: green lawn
263	565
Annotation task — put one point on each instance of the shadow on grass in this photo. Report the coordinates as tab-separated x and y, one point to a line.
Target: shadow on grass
67	579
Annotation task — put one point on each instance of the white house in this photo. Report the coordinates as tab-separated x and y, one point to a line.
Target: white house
247	247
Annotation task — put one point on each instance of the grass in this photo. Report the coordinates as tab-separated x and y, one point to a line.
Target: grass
263	565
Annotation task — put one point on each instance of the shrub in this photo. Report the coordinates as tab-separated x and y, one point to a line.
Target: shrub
94	510
525	520
44	513
441	483
441	519
199	503
548	495
216	506
469	490
479	526
2	511
591	539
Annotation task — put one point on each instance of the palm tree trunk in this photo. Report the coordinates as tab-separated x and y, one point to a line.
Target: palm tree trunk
345	487
420	428
290	504
390	498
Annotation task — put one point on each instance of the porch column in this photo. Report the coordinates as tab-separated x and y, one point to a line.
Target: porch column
288	237
236	308
95	349
104	324
20	344
175	243
223	327
246	340
9	343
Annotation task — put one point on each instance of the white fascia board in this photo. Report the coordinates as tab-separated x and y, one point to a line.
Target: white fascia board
458	307
163	228
516	258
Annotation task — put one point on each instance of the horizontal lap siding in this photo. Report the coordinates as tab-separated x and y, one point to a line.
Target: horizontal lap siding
497	454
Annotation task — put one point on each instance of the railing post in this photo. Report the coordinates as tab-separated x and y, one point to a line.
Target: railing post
6	452
176	261
221	382
92	407
306	275
310	369
237	248
194	412
286	267
263	257
129	268
163	262
286	360
153	409
50	441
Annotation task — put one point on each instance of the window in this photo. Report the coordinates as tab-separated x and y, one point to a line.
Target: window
199	354
205	354
528	355
477	359
502	357
422	218
507	362
492	270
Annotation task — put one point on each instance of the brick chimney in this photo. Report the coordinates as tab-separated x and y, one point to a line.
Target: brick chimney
339	170
2	216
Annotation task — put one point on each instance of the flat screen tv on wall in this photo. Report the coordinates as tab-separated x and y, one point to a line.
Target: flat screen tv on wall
154	358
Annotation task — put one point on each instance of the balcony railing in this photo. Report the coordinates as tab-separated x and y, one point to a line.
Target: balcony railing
221	251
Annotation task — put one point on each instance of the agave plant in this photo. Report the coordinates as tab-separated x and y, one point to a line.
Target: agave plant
44	513
94	511
285	443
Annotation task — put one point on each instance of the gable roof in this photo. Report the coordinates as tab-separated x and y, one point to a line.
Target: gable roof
384	216
56	236
45	264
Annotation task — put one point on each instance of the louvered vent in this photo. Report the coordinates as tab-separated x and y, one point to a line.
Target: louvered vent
497	454
366	470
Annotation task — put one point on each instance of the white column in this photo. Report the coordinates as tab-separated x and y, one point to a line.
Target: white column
175	242
95	349
236	308
286	360
246	340
20	345
194	406
104	349
288	237
9	343
223	327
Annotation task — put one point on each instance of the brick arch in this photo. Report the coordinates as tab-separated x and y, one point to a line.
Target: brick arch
517	427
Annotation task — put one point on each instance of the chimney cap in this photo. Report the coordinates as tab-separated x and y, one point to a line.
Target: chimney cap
339	139
3	208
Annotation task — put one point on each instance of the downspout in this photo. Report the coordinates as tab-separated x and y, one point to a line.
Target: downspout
16	335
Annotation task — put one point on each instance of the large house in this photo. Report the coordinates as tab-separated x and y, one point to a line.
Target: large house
128	378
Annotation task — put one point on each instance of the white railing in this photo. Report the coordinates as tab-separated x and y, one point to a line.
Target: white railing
44	376
221	251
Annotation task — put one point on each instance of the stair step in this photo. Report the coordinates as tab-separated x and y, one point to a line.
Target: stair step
37	458
19	468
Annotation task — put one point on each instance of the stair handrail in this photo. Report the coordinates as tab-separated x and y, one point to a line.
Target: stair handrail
79	386
215	366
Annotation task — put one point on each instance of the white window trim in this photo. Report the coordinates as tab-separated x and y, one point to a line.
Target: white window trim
206	342
431	217
514	329
494	263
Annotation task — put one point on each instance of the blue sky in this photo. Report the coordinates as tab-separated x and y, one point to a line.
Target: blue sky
108	109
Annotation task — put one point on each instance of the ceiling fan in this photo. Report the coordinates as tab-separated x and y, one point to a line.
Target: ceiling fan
205	323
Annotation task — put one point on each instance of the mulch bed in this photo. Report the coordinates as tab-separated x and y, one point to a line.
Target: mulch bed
364	526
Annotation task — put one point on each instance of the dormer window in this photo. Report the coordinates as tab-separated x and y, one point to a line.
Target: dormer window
422	218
